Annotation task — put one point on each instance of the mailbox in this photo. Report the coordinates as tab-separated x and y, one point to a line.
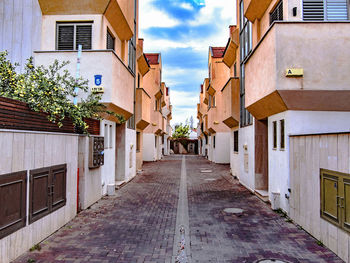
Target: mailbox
96	151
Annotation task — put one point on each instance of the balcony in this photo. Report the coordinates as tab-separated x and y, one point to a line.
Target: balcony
231	49
317	48
117	79
212	121
157	122
142	109
255	9
230	95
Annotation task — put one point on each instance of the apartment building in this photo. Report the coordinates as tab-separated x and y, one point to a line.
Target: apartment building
167	116
287	81
210	110
153	85
143	103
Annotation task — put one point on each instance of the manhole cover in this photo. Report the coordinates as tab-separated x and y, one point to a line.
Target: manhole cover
271	261
206	171
234	211
210	179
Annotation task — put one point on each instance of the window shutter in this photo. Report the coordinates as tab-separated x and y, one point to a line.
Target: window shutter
110	41
83	36
59	175
337	10
65	38
277	13
313	10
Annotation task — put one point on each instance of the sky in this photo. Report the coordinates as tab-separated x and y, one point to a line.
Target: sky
182	31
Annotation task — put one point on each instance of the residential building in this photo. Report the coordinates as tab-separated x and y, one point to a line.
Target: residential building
107	31
153	85
167	116
287	77
143	103
215	132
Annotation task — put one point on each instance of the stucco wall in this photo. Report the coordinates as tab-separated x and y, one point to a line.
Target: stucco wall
31	150
149	151
234	156
297	123
20	22
246	138
90	186
108	169
221	152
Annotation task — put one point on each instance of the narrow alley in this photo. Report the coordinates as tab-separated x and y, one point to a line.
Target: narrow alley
141	222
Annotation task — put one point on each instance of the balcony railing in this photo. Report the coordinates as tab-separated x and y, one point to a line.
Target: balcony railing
117	79
142	109
315	48
230	94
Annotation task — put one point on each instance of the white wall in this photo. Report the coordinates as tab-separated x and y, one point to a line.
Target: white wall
108	169
247	138
20	28
149	152
31	150
221	152
131	154
298	123
234	157
90	189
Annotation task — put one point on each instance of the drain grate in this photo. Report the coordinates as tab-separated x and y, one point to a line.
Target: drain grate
271	261
234	211
206	171
210	179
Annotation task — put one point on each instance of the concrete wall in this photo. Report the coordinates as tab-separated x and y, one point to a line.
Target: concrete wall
247	140
307	155
234	156
20	22
125	153
221	152
108	130
90	186
30	150
149	152
297	123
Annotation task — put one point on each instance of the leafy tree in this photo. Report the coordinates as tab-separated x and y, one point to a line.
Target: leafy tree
181	131
51	90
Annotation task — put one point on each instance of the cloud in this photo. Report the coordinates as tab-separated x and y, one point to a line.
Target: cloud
154	17
186	6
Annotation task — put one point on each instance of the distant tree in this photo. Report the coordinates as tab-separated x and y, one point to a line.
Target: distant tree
181	131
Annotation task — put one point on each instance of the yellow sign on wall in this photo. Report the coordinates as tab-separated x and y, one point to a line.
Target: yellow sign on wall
294	72
98	89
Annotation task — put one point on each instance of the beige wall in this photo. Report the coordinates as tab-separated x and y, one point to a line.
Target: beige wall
31	150
319	48
307	155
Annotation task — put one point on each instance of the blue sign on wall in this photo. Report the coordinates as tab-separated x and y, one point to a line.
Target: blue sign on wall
98	80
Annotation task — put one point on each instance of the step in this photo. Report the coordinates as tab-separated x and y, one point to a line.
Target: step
263	195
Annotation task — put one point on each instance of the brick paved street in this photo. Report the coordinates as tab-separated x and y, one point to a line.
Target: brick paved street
138	224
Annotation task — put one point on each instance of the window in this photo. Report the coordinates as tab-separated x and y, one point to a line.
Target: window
282	142
235	70
138	141
209	105
155	141
274	134
214	102
245	37
70	35
328	10
110	41
106	136
110	136
138	80
277	13
335	198
235	141
214	141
